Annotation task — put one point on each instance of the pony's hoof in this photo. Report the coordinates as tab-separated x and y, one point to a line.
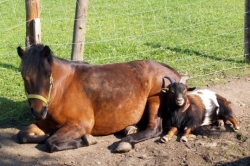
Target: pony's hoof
123	147
184	139
88	140
130	130
164	139
22	140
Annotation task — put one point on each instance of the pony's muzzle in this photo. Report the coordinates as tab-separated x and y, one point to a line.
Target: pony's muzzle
39	115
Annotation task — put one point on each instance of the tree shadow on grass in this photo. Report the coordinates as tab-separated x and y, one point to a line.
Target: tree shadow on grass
194	52
197	53
13	114
9	66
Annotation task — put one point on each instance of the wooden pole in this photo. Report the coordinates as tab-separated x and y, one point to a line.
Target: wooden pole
247	31
33	24
79	30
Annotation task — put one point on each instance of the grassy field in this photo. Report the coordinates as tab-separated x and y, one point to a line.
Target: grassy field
204	38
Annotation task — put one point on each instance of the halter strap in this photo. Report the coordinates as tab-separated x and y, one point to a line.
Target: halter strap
35	96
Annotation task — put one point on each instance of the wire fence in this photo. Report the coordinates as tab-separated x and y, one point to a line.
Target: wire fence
202	37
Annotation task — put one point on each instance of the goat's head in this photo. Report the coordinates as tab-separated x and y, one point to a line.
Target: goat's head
177	90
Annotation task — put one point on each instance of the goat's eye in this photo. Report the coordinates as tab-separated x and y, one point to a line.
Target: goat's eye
172	91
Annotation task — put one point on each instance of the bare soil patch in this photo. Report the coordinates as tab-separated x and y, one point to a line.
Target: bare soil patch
222	147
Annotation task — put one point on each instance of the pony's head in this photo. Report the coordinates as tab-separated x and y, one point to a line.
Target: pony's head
36	71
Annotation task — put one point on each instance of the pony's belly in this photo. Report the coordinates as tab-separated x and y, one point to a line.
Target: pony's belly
105	125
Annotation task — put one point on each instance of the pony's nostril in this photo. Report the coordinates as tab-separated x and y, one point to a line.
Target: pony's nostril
44	112
32	110
38	115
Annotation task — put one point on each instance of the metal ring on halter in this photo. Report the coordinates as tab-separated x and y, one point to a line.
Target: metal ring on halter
35	96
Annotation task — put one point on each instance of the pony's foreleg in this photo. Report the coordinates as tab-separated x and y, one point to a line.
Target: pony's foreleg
70	136
154	129
31	134
127	142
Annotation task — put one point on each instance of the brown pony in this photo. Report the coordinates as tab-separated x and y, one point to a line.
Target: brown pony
70	100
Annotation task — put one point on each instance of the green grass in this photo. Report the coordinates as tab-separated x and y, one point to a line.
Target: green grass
204	38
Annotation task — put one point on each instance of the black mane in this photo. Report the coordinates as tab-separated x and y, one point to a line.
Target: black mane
33	59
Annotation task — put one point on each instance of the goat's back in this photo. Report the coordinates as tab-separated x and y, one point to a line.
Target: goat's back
209	100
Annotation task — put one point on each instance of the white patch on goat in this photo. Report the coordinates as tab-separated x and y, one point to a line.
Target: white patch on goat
206	97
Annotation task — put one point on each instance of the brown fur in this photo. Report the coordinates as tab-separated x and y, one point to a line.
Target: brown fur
194	115
226	112
196	102
90	99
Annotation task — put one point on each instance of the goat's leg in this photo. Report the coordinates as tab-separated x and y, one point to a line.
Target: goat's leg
235	123
227	112
173	131
220	123
185	137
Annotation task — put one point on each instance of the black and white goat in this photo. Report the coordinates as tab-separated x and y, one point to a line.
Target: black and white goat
197	108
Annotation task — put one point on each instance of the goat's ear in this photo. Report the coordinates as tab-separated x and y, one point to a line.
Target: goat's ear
191	89
20	51
184	79
164	90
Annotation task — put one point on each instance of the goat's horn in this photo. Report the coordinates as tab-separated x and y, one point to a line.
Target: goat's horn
184	79
171	79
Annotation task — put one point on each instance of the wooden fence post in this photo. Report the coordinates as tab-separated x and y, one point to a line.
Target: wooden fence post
247	31
33	24
79	30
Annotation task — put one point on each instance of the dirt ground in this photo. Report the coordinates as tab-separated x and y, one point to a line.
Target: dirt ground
210	147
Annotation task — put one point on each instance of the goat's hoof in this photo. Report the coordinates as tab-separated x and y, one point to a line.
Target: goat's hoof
236	128
184	139
130	130
220	123
123	147
164	139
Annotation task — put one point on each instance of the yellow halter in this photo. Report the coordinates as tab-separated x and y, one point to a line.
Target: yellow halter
35	96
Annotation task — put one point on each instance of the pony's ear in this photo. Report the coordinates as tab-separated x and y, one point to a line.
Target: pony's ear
46	51
191	89
20	51
164	90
